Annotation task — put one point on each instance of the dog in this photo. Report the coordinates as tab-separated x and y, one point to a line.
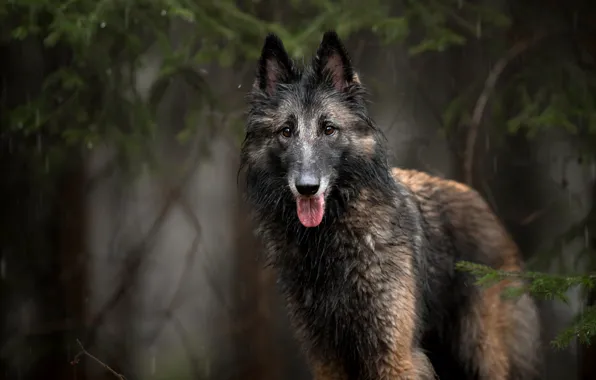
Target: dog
364	253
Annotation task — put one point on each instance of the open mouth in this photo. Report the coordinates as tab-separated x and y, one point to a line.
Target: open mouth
310	209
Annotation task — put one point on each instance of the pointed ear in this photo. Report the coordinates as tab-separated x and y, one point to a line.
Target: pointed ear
332	63
274	65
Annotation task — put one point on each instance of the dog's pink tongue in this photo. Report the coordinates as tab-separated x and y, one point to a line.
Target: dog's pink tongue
311	210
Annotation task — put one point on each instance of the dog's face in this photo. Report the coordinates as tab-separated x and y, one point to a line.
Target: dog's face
306	126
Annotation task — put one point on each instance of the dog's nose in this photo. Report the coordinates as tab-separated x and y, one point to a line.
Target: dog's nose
307	185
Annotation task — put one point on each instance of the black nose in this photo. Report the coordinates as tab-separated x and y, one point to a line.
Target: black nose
307	185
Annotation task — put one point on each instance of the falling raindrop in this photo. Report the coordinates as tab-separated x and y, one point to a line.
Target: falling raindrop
203	71
89	145
478	29
495	164
39	143
109	72
3	268
240	85
102	25
593	169
164	12
586	237
153	364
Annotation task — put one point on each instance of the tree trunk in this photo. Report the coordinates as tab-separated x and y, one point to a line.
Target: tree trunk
257	358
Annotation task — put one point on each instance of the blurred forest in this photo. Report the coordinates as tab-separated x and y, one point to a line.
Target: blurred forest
122	225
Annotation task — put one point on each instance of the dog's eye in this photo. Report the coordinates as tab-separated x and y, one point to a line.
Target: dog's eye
329	130
286	132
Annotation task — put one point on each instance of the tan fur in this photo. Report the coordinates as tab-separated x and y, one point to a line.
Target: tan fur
494	321
403	362
491	322
367	146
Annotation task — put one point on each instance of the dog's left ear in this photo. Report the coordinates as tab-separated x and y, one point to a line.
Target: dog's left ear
333	63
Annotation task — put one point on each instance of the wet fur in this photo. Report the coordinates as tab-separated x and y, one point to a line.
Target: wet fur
372	292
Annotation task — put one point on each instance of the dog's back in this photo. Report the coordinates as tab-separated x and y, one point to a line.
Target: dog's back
459	225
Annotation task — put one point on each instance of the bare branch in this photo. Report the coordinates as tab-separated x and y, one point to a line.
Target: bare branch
489	87
175	300
135	258
534	216
194	220
136	255
193	359
84	352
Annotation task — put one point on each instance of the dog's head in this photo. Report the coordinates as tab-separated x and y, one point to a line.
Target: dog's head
308	131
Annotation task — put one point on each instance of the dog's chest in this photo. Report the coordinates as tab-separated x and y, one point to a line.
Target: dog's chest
341	295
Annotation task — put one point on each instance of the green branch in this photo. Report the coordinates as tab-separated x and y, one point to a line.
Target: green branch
545	286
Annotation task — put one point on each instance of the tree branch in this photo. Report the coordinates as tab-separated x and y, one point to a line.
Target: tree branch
489	87
84	352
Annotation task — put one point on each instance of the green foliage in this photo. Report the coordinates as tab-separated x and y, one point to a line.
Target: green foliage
539	284
543	286
583	328
92	96
448	24
567	101
549	86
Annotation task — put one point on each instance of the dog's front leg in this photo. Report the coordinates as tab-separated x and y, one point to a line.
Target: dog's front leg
405	360
413	366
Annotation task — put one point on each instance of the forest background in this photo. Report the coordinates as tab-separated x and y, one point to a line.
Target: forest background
122	231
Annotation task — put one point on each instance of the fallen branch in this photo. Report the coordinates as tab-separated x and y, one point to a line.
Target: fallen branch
84	352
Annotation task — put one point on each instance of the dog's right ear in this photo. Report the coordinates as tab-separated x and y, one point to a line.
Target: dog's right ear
274	65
